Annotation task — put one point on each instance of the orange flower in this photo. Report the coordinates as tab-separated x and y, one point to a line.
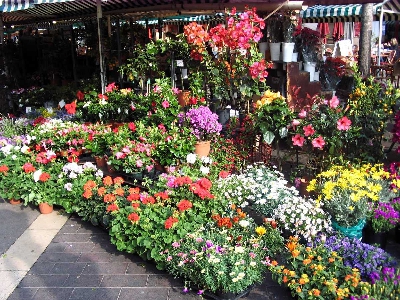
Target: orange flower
119	191
118	180
274	263
90	184
306	261
109	198
3	169
107	181
316	292
135	190
295	253
291	246
101	191
87	194
331	259
285	279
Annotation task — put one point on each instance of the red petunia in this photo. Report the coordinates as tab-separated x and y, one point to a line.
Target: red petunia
184	205
133	217
170	222
44	177
71	108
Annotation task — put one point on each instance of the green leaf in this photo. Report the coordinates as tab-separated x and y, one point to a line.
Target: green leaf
268	137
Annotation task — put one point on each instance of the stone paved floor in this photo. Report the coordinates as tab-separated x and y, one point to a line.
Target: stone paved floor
81	263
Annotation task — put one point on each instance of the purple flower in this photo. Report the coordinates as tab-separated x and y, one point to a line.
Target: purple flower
203	122
209	244
185	290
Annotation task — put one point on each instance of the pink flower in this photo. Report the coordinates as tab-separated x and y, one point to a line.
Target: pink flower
298	140
139	163
302	114
157	89
334	102
295	122
318	142
149	168
308	130
175	91
110	87
165	104
343	123
120	155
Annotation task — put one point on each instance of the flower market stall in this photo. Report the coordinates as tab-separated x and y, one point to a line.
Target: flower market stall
221	220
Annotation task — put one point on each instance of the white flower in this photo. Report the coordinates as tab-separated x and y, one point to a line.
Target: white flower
14	157
239	249
191	158
204	170
244	223
68	186
36	175
24	149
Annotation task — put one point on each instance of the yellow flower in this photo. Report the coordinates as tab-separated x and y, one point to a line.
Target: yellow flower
260	230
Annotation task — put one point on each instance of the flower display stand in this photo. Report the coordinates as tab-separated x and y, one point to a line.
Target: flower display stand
310	68
287	52
275	50
374	238
218	295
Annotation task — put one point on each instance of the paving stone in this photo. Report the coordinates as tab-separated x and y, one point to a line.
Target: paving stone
78	247
74	268
106	268
83	281
22	293
53	294
71	238
143	294
55	247
124	280
143	268
95	294
95	257
58	257
43	281
41	268
165	280
176	293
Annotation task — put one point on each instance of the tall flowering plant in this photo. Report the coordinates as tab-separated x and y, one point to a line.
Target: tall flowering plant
235	66
202	122
310	42
325	130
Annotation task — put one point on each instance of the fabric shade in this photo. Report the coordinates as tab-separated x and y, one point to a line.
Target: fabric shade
349	13
338	31
324	31
14	5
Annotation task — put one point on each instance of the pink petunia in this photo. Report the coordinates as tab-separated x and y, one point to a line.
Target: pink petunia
343	123
308	130
318	142
302	114
165	104
139	163
298	140
334	102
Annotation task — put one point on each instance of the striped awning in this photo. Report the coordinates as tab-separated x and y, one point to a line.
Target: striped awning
349	13
15	5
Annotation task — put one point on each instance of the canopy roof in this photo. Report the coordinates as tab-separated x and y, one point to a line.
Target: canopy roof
351	12
16	12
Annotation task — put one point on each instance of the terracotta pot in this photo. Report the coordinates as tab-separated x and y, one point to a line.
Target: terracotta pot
100	161
45	208
202	148
183	98
15	201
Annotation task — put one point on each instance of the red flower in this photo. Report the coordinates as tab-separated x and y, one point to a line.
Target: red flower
102	97
148	200
298	140
161	195
80	96
109	198
133	197
28	168
44	177
112	207
184	205
133	217
135	205
71	108
223	174
3	169
132	126
205	183
170	222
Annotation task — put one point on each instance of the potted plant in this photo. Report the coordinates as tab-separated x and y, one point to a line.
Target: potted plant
275	34
345	193
382	218
288	26
204	125
224	260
